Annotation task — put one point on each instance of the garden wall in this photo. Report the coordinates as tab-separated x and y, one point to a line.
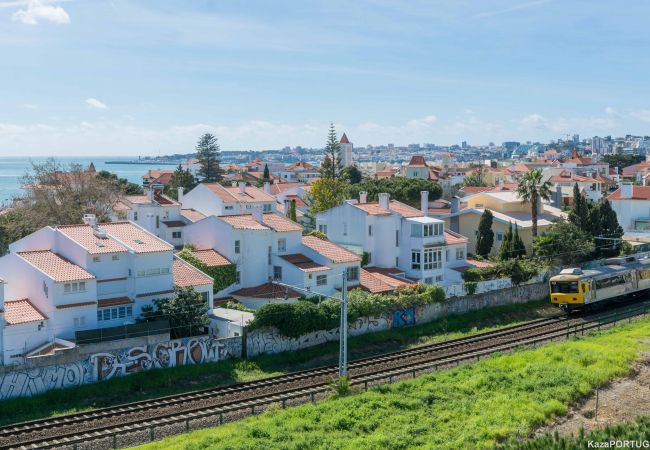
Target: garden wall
268	341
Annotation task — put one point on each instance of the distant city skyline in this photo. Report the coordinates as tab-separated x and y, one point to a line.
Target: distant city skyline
147	78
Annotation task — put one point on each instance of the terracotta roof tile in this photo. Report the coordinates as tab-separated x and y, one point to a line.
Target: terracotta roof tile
417	161
279	223
270	221
331	251
301	166
85	236
22	311
211	258
251	195
374	209
304	263
243	222
187	275
638	193
344	139
454	238
369	282
267	290
388	275
55	266
192	215
134	237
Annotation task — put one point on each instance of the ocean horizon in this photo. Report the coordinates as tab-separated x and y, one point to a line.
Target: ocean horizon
13	168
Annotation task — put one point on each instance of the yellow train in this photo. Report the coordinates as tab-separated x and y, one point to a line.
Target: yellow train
617	277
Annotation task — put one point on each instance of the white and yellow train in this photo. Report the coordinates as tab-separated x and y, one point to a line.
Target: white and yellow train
617	277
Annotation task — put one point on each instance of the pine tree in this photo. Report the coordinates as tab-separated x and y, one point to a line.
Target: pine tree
507	247
485	238
331	166
605	225
267	174
579	213
208	153
292	214
180	178
519	248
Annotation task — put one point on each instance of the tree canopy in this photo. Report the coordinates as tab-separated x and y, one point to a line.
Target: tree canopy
180	178
186	312
208	153
406	190
351	174
485	237
565	243
326	193
622	160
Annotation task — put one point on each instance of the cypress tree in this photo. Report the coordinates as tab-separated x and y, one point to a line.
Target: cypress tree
292	214
506	249
267	173
485	238
518	244
579	213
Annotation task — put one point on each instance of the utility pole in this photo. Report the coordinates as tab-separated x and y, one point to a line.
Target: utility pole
343	330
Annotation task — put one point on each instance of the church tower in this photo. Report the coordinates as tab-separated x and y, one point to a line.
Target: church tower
346	151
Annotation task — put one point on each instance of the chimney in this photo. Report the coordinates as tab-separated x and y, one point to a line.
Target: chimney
257	214
287	202
455	204
267	187
180	194
627	190
363	197
557	201
150	194
424	202
90	219
384	200
242	187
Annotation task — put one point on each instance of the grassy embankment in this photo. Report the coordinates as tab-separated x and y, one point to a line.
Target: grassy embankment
490	403
157	383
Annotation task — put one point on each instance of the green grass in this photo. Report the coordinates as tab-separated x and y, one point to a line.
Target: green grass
157	383
482	405
636	430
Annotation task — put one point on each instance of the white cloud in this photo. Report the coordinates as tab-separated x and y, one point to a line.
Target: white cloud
641	114
29	106
35	11
93	103
612	112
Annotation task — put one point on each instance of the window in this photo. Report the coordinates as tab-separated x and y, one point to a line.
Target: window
140	273
432	258
427	229
157	221
74	287
135	216
397	261
609	282
205	296
176	234
460	253
229	207
352	273
116	312
79	321
428	280
82	285
154	271
321	280
122	312
238	277
415	259
277	273
565	287
438	278
282	245
369	230
267	207
499	237
322	228
96	259
269	250
345	228
66	288
416	230
115	257
237	247
396	238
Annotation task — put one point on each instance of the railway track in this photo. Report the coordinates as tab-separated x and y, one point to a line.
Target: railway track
147	420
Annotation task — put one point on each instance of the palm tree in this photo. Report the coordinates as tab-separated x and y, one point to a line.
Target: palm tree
532	190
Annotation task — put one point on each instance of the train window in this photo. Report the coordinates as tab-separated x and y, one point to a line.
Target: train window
609	282
564	287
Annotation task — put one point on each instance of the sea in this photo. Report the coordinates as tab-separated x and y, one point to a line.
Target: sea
12	169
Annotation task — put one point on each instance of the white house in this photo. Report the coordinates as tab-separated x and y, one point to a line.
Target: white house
632	206
396	236
300	171
213	199
70	278
269	249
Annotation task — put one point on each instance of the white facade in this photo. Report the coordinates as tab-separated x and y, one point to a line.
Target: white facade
212	199
632	206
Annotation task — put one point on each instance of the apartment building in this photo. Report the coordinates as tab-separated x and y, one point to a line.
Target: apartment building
213	199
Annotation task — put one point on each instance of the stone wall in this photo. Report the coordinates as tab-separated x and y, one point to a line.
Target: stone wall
270	341
97	362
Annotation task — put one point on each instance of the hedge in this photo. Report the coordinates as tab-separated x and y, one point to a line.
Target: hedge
223	276
306	316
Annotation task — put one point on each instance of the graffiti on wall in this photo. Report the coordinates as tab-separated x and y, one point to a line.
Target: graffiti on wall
403	317
104	366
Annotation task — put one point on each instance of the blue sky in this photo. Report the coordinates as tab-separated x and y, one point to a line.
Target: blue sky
142	77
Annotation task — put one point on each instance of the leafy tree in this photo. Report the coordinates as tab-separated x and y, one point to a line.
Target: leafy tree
564	243
186	312
621	160
180	178
124	185
476	177
326	193
208	154
406	190
485	238
292	214
267	173
331	166
579	212
223	276
604	224
351	174
506	251
533	190
315	233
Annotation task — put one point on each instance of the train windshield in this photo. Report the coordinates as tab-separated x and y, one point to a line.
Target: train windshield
564	287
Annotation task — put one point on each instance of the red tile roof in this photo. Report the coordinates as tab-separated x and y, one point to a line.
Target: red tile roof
192	215
344	139
373	284
187	275
331	251
304	263
374	209
454	238
638	193
115	301
134	237
388	275
22	311
211	258
269	221
155	173
417	161
55	266
279	223
267	290
629	171
277	188
301	165
85	236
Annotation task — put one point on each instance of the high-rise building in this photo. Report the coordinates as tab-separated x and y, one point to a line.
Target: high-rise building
346	151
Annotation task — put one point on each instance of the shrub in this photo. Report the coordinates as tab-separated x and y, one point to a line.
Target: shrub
223	276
